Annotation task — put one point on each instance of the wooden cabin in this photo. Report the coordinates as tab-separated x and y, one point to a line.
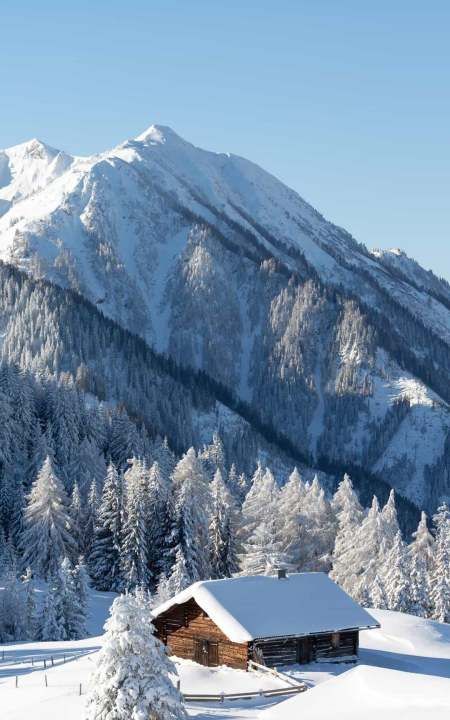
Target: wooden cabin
300	618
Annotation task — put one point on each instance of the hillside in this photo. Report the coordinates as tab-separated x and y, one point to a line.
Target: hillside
218	265
53	337
403	673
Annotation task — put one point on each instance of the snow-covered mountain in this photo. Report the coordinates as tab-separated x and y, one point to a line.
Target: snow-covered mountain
218	264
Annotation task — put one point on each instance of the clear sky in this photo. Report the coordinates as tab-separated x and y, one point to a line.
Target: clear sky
345	100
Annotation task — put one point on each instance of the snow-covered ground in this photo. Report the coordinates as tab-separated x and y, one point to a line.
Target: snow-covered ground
403	673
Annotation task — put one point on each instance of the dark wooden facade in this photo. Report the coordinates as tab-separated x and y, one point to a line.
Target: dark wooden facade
312	648
189	633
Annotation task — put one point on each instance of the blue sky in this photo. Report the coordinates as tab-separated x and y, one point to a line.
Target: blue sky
346	101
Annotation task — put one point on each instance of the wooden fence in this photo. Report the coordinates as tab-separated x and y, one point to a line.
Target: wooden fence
221	697
292	688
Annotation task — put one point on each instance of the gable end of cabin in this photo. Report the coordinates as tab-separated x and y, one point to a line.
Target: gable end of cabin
190	633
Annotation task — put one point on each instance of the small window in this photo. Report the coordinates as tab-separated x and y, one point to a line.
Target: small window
336	640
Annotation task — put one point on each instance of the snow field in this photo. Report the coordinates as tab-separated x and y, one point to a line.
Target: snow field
403	674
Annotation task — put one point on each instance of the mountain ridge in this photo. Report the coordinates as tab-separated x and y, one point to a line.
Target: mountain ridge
217	264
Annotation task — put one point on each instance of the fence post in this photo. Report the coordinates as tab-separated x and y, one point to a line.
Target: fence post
32	661
80	688
52	660
45	679
17	681
45	664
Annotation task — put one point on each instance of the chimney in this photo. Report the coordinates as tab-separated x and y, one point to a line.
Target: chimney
282	574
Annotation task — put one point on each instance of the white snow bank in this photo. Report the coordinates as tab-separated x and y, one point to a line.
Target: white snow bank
246	608
370	693
195	678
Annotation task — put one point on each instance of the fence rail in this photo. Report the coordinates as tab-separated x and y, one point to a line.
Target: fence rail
221	697
46	659
252	665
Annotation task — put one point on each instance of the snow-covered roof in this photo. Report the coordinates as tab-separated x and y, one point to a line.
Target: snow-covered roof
246	608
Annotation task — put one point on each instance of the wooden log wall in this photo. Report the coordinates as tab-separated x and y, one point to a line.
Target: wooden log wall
183	624
287	651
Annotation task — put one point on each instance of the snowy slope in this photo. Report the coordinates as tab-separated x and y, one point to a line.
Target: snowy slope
403	674
215	262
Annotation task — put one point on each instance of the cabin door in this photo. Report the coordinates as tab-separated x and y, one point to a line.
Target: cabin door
303	650
206	652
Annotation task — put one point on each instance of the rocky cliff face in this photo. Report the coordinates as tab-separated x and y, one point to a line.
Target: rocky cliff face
220	266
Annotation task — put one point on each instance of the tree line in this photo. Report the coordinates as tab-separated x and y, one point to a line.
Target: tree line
160	522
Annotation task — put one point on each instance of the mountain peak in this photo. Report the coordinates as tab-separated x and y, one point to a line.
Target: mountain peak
154	135
33	149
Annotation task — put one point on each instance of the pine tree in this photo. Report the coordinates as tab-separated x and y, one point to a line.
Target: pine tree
389	521
192	510
124	439
104	560
30	605
349	515
134	545
222	530
263	493
14	620
377	595
319	529
440	578
173	583
47	535
289	514
161	512
262	552
51	625
421	557
365	556
89	520
234	485
132	678
397	577
76	512
213	457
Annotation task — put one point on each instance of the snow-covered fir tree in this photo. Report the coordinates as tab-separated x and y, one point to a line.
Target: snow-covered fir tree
397	574
440	576
319	527
192	511
90	519
263	553
213	457
376	595
76	512
51	624
364	555
174	582
421	559
263	493
222	530
349	515
15	620
136	516
132	678
47	535
389	521
289	515
105	556
161	513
